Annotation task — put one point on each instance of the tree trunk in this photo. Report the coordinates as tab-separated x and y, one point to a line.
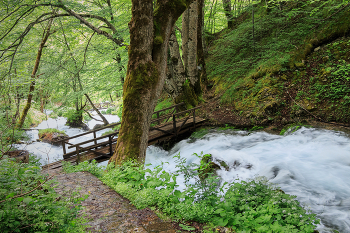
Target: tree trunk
192	88
176	73
36	67
184	37
228	13
200	45
105	122
146	72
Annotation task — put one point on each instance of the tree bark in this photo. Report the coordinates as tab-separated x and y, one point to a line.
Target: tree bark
228	13
191	89
176	75
149	38
105	122
203	79
35	69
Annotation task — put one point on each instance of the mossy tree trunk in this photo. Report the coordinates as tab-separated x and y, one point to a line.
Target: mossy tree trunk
46	35
105	122
191	89
176	75
146	72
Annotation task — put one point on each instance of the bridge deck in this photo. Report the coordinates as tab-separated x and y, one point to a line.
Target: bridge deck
104	150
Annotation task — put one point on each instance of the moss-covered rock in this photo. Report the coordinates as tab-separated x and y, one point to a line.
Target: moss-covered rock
51	136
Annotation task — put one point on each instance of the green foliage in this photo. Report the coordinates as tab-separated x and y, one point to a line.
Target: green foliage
338	85
84	166
110	110
293	127
238	68
119	111
87	117
227	127
246	206
50	130
116	128
200	133
161	104
73	116
41	210
11	135
256	127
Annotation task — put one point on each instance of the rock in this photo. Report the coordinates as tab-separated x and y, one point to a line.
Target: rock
211	167
52	138
19	155
97	126
85	127
318	48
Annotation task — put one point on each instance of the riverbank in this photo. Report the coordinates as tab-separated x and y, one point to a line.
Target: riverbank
219	114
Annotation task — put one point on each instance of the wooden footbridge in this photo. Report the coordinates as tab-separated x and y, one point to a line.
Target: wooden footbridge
167	123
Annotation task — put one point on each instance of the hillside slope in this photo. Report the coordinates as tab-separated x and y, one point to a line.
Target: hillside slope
297	67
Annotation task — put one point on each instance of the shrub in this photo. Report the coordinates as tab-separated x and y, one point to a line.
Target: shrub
25	206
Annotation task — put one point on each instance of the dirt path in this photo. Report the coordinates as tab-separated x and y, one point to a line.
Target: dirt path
106	210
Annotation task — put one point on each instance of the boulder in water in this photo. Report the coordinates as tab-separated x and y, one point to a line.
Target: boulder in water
19	155
97	126
52	136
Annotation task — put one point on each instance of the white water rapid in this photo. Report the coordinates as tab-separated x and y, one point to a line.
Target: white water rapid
313	164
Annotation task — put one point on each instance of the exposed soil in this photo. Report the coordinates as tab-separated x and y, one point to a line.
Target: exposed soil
225	114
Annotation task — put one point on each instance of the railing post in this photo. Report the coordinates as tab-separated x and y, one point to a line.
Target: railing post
158	117
174	125
78	155
95	137
194	118
64	147
110	146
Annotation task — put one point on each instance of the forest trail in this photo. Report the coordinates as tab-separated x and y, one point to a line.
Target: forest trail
105	209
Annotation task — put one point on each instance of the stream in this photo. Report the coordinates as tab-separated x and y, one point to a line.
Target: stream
313	164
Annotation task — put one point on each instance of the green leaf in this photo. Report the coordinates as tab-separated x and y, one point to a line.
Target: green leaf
27	200
10	195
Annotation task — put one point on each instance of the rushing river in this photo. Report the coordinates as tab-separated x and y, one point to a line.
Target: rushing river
313	164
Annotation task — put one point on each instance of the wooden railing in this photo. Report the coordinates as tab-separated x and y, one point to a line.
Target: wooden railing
160	121
103	105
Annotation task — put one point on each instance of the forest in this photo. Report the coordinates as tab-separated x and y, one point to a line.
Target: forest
268	81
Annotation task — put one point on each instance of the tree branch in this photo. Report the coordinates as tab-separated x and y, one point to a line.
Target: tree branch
88	24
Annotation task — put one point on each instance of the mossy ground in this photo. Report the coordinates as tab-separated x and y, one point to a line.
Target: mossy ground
284	77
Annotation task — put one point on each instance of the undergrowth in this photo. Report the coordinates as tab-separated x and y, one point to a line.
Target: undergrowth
244	206
28	202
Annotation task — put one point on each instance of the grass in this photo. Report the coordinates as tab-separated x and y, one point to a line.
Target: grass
50	130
